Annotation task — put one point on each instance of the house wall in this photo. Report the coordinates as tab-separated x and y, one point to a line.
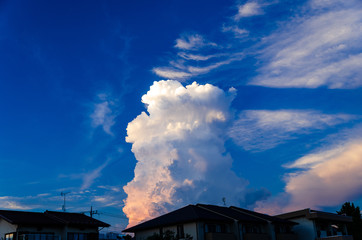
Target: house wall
61	232
305	230
142	235
270	230
189	228
56	231
6	227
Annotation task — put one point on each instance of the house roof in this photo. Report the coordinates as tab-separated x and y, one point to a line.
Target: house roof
21	217
275	220
314	214
50	218
76	219
231	213
204	212
186	214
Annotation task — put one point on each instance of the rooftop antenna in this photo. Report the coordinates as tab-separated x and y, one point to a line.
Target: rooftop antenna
63	194
224	200
93	212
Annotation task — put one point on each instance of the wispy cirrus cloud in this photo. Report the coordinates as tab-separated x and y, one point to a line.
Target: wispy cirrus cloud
238	32
193	42
103	114
197	56
259	130
321	47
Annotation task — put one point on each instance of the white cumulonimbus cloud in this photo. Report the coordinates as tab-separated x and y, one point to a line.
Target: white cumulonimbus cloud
179	147
259	130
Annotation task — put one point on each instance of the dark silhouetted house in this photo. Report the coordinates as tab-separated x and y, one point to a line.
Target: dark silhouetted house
21	225
210	222
319	225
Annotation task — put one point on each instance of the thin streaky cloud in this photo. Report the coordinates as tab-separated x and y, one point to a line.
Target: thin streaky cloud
182	72
198	57
259	130
89	178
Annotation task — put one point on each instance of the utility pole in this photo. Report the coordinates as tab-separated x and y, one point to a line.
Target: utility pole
64	194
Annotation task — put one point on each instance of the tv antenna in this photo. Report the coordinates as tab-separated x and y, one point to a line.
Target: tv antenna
224	200
63	194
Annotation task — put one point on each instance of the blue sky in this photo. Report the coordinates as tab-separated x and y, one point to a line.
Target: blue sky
138	108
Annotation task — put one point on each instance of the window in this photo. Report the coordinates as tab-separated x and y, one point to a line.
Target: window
215	228
77	236
180	231
251	228
37	236
9	236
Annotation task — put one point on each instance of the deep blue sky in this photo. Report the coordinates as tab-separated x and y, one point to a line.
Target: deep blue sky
72	75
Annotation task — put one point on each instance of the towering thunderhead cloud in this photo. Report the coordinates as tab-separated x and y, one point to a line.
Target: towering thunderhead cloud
179	147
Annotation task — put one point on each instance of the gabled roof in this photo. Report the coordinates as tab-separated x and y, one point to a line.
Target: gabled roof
204	212
230	212
186	214
314	214
263	216
50	218
76	219
21	217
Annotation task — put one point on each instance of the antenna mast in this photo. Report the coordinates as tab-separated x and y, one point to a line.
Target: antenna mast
63	194
224	200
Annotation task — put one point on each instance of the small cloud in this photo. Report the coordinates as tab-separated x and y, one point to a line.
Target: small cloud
111	188
7	202
171	73
249	9
103	115
193	42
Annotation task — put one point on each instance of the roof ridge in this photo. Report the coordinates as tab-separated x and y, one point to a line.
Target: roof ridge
205	208
48	213
248	213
